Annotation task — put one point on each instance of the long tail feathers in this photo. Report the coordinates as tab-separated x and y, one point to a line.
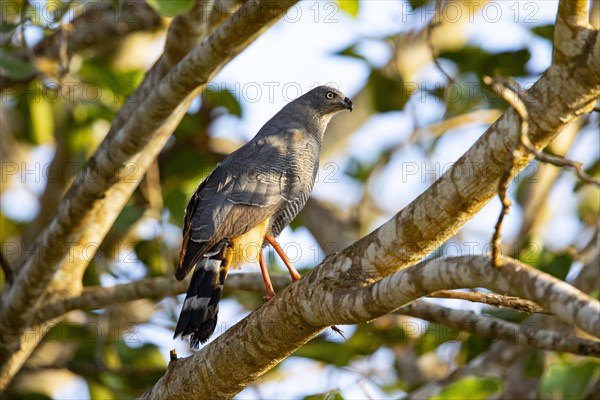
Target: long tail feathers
201	306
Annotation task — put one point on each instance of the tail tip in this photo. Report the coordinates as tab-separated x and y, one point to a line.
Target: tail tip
180	274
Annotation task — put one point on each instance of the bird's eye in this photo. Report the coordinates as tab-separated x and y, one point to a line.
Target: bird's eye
329	95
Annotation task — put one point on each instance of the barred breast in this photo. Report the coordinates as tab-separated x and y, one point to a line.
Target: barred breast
300	180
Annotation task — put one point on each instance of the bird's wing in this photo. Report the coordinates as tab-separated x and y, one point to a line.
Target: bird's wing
239	194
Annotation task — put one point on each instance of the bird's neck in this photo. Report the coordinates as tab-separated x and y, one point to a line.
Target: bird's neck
314	124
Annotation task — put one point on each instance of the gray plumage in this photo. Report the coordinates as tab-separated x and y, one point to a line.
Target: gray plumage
271	176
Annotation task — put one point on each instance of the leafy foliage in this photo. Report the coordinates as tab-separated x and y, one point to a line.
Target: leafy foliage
45	124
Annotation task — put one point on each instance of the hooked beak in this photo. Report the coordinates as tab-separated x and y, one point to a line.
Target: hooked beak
348	103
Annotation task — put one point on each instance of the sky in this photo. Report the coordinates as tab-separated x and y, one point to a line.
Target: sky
292	57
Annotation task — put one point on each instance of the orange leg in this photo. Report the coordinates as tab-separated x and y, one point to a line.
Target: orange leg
265	274
293	273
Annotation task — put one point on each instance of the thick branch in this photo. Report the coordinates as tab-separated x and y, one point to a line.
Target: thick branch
354	305
91	205
94	298
497	328
571	31
303	309
282	325
465	188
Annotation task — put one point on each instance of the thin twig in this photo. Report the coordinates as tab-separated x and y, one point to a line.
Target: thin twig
496	328
520	108
514	95
506	203
435	21
557	161
505	93
496	300
7	269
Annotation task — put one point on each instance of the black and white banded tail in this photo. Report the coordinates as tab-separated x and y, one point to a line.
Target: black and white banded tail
201	306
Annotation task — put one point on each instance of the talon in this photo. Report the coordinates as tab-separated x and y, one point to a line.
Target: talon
268	297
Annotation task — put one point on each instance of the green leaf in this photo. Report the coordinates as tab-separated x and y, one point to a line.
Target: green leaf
569	381
6	32
222	98
100	391
349	6
170	8
481	62
588	208
42	119
387	94
435	335
557	265
350	52
534	365
470	388
14	68
118	7
416	4
545	31
329	352
474	346
149	252
334	395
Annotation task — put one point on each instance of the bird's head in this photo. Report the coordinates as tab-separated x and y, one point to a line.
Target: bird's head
327	100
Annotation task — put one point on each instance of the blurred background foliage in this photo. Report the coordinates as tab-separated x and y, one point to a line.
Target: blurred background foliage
58	103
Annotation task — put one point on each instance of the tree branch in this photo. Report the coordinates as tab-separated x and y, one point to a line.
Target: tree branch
535	195
306	307
416	230
571	31
135	16
91	205
93	298
150	288
518	279
519	104
492	299
497	328
472	181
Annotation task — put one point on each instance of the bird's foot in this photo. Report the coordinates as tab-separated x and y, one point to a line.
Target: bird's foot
268	296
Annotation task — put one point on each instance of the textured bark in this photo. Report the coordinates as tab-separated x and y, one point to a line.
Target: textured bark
366	280
159	287
491	299
303	309
92	204
496	328
151	288
328	295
